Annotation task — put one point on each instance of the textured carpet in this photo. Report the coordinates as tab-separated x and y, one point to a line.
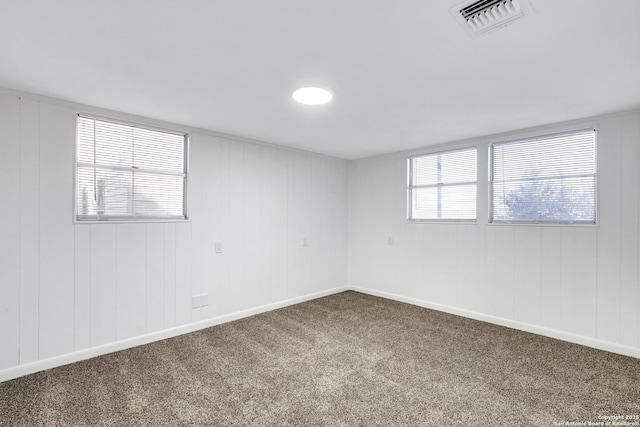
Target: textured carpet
344	360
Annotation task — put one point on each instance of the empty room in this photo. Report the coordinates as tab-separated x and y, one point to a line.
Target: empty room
320	213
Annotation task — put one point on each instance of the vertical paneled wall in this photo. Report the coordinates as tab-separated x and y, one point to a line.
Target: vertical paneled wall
67	287
581	280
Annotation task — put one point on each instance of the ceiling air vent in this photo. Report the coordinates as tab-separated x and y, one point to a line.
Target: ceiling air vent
479	17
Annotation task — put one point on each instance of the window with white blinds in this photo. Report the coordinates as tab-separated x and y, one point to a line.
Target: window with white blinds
550	179
442	186
128	172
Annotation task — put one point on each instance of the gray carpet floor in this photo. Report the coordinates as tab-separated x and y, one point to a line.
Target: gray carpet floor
344	360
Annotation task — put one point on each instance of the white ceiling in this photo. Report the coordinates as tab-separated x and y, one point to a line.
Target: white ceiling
404	73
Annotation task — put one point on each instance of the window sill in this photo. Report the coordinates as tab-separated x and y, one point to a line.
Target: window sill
544	224
443	221
128	221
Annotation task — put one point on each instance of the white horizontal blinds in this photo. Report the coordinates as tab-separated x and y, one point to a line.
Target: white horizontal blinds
129	172
443	186
547	179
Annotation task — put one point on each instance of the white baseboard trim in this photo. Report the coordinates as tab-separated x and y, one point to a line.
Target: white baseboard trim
76	356
527	327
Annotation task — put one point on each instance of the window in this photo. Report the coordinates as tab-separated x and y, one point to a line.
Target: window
551	179
442	186
127	172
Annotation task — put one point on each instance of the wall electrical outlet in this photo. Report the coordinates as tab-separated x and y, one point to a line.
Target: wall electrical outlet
218	246
390	240
195	301
305	241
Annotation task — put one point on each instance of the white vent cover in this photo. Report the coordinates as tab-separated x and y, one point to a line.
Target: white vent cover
479	17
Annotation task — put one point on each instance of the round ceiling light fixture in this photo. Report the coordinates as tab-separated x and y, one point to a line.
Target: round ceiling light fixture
312	95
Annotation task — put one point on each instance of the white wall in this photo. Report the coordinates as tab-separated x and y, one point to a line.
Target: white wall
66	289
577	283
69	291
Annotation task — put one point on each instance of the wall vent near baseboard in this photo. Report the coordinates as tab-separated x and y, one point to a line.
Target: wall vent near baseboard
479	17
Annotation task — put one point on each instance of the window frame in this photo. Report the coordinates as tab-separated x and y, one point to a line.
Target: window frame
115	219
410	187
574	223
